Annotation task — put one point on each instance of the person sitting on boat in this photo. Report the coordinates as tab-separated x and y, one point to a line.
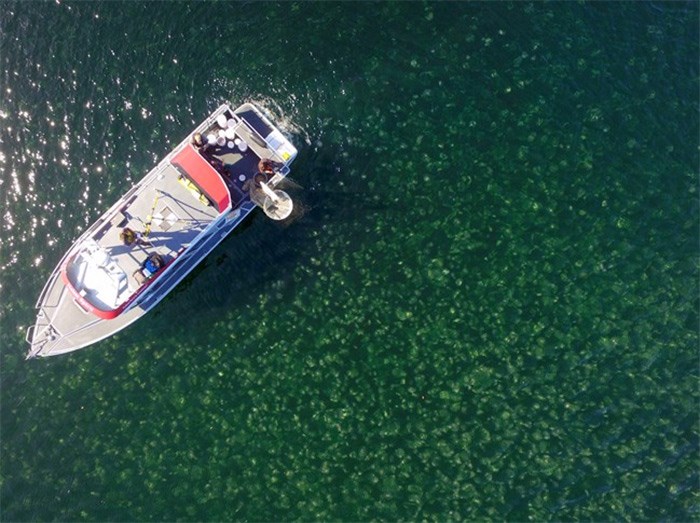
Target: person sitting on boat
203	146
199	142
267	166
130	237
149	268
153	264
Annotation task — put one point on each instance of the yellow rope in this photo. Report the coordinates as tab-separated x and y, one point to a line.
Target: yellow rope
149	219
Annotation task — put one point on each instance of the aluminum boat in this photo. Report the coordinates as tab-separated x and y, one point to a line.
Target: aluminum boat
148	241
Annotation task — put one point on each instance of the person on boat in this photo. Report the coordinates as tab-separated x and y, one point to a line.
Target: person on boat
199	142
130	237
148	268
267	166
202	145
153	263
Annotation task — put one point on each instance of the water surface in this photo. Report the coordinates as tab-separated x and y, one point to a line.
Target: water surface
488	309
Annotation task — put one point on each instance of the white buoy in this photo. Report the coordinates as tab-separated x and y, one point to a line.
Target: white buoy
222	121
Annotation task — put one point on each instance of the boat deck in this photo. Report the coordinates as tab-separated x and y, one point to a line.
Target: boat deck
167	215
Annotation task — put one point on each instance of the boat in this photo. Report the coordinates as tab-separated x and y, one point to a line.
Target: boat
133	255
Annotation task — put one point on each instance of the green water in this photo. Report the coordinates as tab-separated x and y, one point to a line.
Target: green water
488	309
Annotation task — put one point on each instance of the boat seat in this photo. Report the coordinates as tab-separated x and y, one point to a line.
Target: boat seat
80	275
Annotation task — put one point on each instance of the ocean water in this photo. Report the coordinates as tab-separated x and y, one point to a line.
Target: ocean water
486	310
